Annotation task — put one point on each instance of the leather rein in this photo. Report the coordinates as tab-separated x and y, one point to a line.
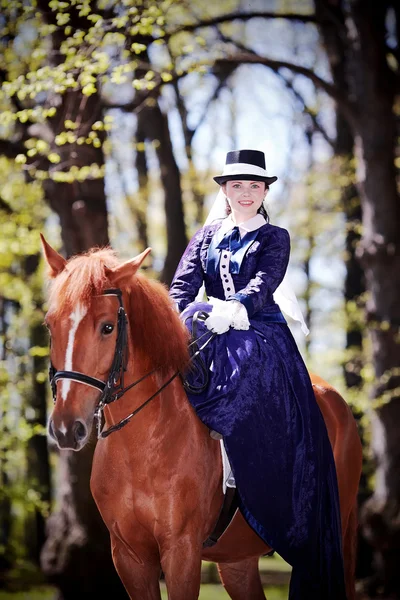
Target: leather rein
113	388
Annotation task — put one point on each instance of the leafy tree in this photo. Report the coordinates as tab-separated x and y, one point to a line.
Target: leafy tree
65	65
24	463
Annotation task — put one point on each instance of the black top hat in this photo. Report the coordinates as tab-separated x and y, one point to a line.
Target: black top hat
245	165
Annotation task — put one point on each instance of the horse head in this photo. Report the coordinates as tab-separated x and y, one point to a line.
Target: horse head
84	323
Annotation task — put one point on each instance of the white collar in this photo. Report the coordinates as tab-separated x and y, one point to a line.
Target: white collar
250	225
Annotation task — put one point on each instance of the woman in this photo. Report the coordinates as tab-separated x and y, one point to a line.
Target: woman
259	395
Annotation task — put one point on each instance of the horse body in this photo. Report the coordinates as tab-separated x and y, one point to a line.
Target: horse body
158	481
161	510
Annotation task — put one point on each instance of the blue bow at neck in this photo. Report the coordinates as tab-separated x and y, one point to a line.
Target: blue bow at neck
231	241
235	244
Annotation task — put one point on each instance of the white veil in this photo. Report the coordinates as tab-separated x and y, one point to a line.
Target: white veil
284	295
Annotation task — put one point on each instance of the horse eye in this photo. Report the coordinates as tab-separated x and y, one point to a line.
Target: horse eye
107	329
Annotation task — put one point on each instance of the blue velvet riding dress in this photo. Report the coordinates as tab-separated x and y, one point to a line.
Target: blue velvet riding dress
260	398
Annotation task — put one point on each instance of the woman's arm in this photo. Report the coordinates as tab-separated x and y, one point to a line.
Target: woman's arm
188	277
271	268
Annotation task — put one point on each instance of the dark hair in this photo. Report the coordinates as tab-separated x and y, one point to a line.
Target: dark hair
261	211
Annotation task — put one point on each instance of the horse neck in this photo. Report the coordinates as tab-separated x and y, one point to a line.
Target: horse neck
156	337
164	449
166	413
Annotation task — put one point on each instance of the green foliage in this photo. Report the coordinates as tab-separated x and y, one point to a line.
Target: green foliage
319	223
89	49
22	215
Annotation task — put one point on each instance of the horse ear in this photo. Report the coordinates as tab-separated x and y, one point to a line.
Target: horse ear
55	261
124	273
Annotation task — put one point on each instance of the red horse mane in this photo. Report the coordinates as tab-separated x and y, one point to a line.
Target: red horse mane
157	332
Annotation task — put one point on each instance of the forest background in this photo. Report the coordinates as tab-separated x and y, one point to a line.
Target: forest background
114	118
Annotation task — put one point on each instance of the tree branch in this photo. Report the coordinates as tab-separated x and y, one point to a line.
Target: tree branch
221	84
288	84
190	132
302	18
139	100
347	107
316	124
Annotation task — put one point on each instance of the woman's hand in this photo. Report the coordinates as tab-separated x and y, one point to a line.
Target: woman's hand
226	314
218	323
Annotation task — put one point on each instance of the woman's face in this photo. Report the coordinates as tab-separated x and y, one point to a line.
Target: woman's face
245	198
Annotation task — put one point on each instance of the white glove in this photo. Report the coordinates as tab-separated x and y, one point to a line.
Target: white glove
240	316
218	323
226	314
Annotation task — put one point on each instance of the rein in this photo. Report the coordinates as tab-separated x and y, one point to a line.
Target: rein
113	388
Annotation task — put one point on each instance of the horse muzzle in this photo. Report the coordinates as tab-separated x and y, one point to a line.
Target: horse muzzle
69	436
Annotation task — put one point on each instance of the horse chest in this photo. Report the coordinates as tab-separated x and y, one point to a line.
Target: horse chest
120	492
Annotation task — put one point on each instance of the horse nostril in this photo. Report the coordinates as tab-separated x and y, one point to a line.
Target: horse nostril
51	429
80	431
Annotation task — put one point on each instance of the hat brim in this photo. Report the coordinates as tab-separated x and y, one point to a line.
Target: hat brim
245	177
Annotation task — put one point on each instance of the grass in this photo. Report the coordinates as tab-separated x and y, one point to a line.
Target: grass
274	563
216	592
209	591
40	593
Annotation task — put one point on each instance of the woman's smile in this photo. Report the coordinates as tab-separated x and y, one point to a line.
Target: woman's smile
245	198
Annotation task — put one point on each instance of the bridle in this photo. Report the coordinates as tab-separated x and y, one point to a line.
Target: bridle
113	388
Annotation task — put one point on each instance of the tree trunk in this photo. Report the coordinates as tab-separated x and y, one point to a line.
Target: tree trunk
154	127
37	455
143	192
373	88
77	554
308	316
333	33
332	29
81	205
188	134
6	554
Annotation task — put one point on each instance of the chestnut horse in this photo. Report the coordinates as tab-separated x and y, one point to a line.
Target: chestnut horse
157	480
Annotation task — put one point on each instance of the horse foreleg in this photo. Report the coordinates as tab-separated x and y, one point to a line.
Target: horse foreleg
141	579
181	565
242	579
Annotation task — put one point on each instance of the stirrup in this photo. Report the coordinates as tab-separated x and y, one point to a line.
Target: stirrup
215	435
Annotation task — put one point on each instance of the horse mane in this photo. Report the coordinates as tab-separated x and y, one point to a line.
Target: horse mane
157	332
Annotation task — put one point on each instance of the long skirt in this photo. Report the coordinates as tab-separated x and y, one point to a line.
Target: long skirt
260	398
